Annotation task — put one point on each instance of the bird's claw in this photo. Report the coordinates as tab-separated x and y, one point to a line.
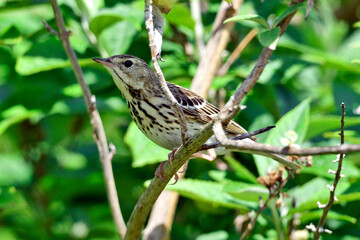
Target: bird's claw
158	172
172	154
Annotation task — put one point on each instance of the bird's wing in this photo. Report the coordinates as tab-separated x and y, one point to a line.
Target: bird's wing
197	108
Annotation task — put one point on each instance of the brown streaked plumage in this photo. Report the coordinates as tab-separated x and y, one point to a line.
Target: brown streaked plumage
152	112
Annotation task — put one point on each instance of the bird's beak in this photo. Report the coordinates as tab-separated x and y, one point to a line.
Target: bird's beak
104	61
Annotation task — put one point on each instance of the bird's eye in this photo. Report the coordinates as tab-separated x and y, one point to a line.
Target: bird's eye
128	63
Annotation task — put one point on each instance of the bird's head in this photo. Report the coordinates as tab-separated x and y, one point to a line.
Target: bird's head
128	71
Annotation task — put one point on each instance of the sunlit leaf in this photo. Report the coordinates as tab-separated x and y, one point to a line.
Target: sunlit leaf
253	18
15	115
115	43
322	123
295	120
143	149
217	235
287	12
246	192
209	192
27	65
269	38
14	170
316	215
240	171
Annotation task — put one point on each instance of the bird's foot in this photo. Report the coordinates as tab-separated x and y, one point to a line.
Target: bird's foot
211	156
172	154
159	173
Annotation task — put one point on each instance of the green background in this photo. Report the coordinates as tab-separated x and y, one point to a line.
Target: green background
51	184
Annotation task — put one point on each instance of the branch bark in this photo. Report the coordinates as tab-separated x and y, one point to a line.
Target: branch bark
106	152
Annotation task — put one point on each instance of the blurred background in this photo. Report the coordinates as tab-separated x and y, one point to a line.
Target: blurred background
51	183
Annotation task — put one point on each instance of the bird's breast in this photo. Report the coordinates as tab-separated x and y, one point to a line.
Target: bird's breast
157	120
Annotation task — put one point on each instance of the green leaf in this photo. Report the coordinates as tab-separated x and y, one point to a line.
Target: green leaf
27	65
317	56
90	8
296	120
313	191
253	18
240	171
8	234
217	175
321	165
180	16
356	25
209	192
246	192
8	195
287	12
351	136
144	151
103	21
26	19
115	43
269	37
322	123
14	170
17	114
108	17
315	215
70	160
217	235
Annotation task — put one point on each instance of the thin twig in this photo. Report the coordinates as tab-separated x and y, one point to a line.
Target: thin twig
332	198
50	29
236	53
262	206
98	129
150	29
266	148
240	137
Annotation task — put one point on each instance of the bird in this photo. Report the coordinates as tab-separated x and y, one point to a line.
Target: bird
153	112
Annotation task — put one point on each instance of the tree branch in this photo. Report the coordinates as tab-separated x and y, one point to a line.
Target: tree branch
148	198
266	148
98	129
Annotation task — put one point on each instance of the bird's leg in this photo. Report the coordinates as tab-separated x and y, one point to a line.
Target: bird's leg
210	157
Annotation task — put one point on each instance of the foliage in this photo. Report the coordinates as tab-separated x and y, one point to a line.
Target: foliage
51	184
